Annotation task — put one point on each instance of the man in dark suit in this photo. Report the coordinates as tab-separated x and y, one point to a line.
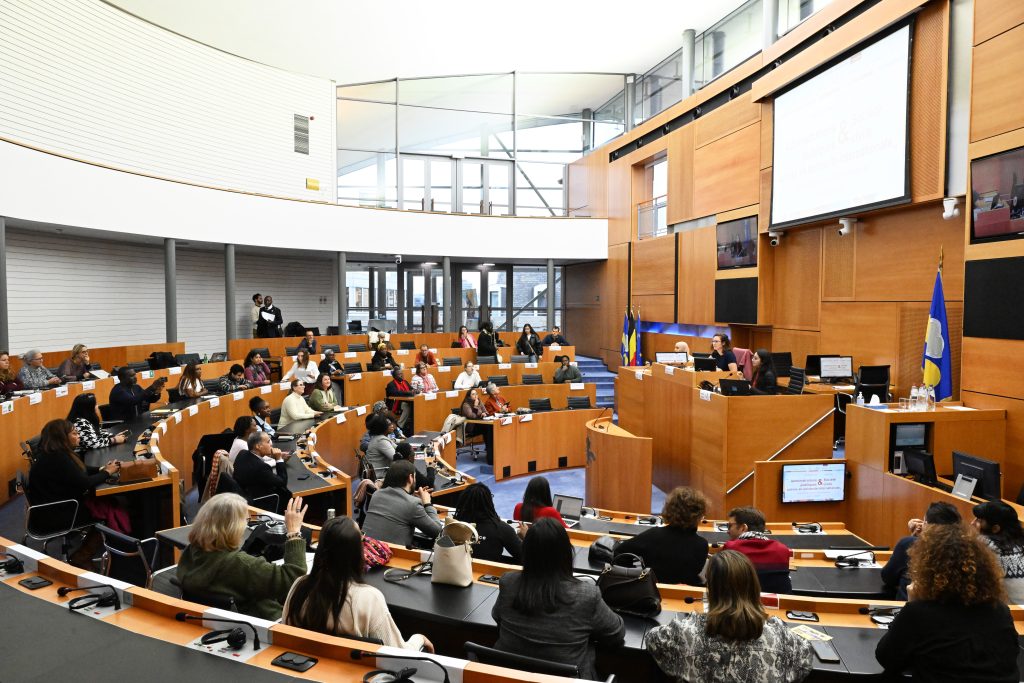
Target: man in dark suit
256	477
128	400
270	320
555	337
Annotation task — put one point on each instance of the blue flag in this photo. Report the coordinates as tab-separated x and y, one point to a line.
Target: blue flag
936	362
639	356
627	332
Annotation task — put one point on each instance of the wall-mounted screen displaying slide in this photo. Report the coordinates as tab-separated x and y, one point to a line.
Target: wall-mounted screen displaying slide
737	243
841	136
817	483
997	196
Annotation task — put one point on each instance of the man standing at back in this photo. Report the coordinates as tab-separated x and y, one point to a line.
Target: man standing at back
269	324
770	558
257	303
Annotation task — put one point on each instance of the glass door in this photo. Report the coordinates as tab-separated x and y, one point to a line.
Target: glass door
427	182
485	186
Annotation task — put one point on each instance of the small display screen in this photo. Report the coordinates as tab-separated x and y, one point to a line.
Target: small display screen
672	357
841	366
817	483
567	506
910	435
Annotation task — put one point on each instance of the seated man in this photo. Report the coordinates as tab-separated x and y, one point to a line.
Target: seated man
33	375
770	558
233	381
997	523
261	413
398	387
895	573
426	355
257	477
308	342
495	404
567	372
128	400
555	337
397	509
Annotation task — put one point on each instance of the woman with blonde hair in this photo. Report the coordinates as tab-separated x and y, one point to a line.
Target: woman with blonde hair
956	625
735	641
214	562
75	368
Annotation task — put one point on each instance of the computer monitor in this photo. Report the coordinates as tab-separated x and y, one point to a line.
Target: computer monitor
836	367
813	364
671	357
986	472
705	364
570	507
910	436
814	483
734	387
921	464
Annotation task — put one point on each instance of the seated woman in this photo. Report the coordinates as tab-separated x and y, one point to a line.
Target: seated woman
529	344
380	452
682	347
9	382
476	506
294	406
956	625
536	502
675	552
465	339
395	434
735	640
59	474
191	383
422	381
764	381
468	378
85	417
221	478
75	368
334	600
245	426
382	359
257	373
33	375
544	612
322	398
473	409
721	352
303	369
213	562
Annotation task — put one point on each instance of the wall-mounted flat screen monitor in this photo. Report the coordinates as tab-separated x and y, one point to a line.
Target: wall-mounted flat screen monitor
814	483
841	142
737	243
997	196
910	436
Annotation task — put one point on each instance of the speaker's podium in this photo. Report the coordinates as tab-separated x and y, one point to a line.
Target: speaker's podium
618	468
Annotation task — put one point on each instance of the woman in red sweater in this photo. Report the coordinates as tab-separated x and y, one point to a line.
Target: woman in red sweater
536	502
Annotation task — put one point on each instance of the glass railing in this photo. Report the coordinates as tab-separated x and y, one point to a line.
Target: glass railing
791	13
652	218
728	43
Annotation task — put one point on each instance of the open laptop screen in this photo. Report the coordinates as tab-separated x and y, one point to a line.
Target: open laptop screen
567	506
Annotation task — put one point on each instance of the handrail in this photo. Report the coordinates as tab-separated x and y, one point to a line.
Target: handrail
779	452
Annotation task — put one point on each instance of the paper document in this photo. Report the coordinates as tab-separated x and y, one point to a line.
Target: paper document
99	374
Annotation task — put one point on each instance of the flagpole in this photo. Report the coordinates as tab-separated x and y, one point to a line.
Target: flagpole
940	259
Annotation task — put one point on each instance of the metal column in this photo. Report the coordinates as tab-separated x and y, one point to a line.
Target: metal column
371	291
400	299
769	22
342	293
229	294
5	334
382	293
170	290
509	298
447	310
551	294
686	64
485	308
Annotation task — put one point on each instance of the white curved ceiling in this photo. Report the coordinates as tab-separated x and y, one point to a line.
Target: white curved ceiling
352	42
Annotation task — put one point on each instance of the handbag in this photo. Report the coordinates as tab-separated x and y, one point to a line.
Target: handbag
453	554
602	551
630	590
375	553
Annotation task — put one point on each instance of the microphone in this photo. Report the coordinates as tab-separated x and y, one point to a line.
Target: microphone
889	610
97	599
807	527
185	616
855	548
359	654
852	561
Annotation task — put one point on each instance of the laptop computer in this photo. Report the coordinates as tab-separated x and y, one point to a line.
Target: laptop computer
569	507
734	387
670	357
705	364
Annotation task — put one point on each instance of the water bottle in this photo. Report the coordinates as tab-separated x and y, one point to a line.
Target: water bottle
860	398
931	398
915	398
206	358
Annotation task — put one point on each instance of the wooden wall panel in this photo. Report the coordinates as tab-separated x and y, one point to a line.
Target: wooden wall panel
654	266
866	331
912	325
767	139
1013	462
697	266
839	253
620	210
588	184
726	172
797	280
983	372
656	308
928	102
680	175
992	17
998	79
727	119
800	343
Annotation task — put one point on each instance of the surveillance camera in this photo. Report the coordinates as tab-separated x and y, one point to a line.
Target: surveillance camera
950	208
845	225
775	238
398	259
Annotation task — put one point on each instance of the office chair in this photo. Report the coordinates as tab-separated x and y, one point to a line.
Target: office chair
356	347
333	347
140	366
213	386
488	655
270	502
291	350
533	379
355	326
219	357
107	412
782	362
263	351
874	379
275	416
29	448
451	362
332	331
540	405
58	520
775	581
407	345
173	395
578	402
486	360
314	330
186	358
352	368
797	379
126	558
498	380
520	359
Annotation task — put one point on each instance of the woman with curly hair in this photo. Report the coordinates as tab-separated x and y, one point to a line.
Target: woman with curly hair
956	626
675	552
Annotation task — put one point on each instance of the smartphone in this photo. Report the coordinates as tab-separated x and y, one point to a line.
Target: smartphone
490	578
35	582
802	616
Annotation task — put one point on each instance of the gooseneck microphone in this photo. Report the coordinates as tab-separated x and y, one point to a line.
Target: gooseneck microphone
889	610
185	616
854	560
92	599
360	654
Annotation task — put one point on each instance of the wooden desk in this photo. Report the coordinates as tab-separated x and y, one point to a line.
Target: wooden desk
612	452
107	356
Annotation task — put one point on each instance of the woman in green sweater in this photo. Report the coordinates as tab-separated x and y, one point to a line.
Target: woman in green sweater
322	399
214	563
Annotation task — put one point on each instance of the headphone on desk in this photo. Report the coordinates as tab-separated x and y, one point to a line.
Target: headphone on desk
235	638
12	565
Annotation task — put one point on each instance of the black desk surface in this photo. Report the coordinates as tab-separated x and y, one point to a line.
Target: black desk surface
833	582
79	650
795	541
